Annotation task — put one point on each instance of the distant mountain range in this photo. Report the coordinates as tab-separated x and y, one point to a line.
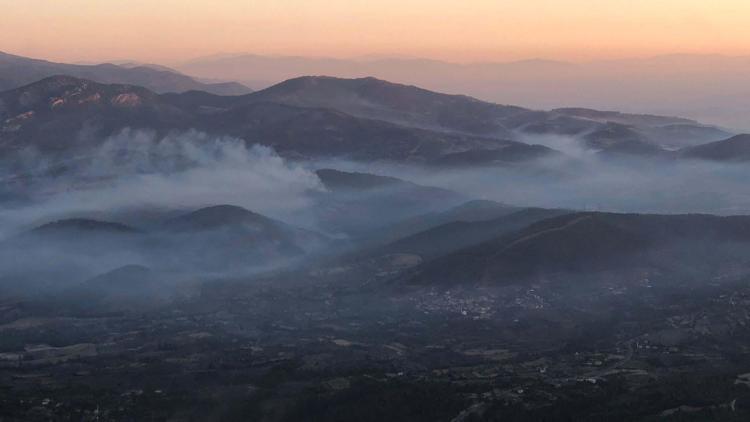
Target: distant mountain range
362	119
709	88
17	71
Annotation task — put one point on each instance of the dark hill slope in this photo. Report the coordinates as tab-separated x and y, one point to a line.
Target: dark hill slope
732	150
63	114
455	235
474	210
409	105
218	216
319	132
357	204
82	225
228	236
584	243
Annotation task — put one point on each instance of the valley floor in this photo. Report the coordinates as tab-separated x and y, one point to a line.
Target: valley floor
256	351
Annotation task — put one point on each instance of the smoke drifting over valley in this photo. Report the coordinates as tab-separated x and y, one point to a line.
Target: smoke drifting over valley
583	179
121	198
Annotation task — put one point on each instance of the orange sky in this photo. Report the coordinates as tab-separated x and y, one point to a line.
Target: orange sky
469	30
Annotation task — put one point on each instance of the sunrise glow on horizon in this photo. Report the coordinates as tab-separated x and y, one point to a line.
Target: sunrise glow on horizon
479	30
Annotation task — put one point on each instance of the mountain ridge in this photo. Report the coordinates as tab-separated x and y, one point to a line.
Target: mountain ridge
361	119
701	87
17	71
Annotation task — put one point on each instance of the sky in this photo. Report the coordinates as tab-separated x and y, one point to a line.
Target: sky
170	31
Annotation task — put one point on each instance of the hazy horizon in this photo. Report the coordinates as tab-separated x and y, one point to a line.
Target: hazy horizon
480	31
373	57
384	56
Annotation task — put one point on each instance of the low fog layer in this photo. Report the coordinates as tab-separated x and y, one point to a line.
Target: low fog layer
137	170
188	203
582	179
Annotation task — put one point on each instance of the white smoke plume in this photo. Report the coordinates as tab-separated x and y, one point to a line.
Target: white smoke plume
138	170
